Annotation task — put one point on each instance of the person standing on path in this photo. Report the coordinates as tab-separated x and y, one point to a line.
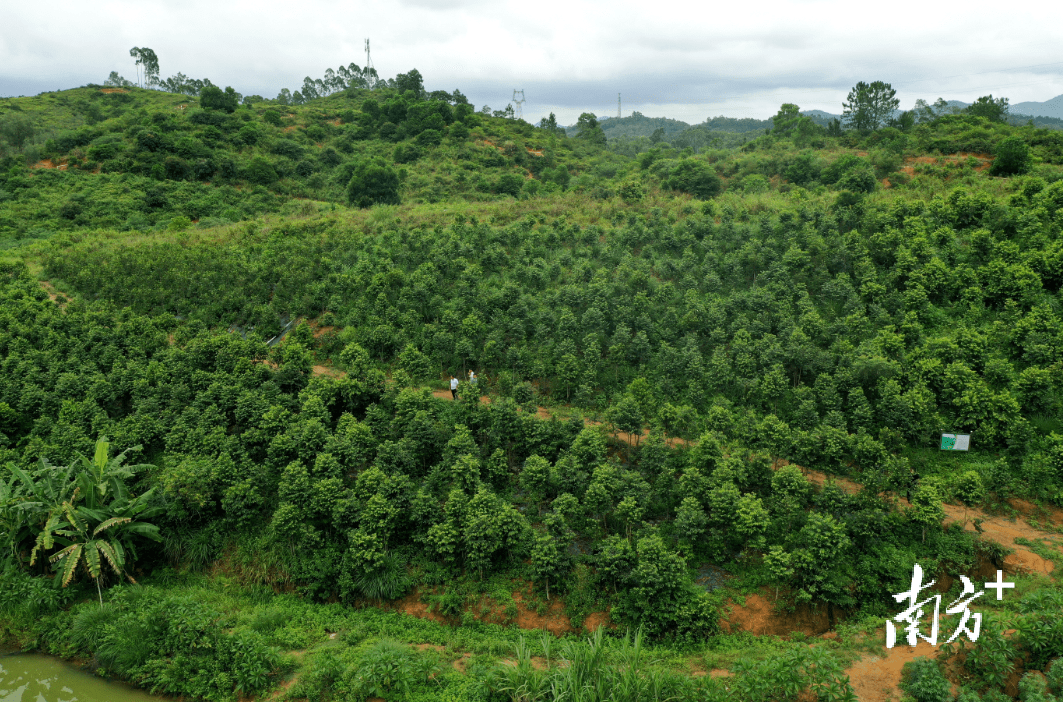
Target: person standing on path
472	378
454	388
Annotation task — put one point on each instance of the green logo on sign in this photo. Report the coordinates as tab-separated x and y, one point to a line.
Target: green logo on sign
948	442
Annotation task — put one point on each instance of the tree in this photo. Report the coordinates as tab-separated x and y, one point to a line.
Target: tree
786	120
868	107
214	98
626	416
690	520
778	562
550	123
822	546
927	508
970	491
989	108
416	364
411	81
589	130
1013	157
16	129
146	57
373	182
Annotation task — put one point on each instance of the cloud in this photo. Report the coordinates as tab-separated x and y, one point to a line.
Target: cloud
574	56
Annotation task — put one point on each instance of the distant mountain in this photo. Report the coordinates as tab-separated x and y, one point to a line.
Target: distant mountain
635	125
1053	107
1045	114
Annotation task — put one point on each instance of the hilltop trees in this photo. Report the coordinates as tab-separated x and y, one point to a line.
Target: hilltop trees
869	106
991	109
146	57
589	130
214	98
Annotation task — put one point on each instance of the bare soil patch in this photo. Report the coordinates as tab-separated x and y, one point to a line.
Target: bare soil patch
54	295
759	617
48	163
113	90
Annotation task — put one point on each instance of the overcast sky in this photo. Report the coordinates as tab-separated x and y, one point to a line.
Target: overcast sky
685	60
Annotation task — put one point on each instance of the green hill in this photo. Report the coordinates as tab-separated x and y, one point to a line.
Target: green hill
270	301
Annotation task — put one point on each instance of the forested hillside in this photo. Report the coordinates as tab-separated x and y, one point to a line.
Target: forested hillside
672	337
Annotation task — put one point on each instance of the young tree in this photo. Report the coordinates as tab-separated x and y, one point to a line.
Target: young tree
550	558
778	562
690	520
927	509
868	107
626	416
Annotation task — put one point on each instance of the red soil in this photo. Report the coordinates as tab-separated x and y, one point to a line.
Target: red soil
758	617
47	163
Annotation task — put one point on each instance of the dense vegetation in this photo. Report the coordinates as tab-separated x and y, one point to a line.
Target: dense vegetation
802	298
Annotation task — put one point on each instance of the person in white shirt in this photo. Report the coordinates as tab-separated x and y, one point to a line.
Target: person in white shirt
454	388
472	378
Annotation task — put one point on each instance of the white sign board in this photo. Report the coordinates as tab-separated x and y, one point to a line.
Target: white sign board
955	442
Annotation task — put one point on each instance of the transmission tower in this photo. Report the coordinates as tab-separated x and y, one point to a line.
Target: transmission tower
618	105
369	62
518	99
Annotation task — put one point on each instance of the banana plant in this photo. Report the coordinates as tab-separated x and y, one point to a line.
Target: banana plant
87	509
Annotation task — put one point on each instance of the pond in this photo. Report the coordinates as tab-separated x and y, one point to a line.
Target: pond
38	678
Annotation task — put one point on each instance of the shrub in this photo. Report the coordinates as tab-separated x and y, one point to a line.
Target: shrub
922	679
429	137
755	183
694	177
831	174
509	184
287	148
259	171
1054	676
406	152
1013	157
373	183
805	168
858	180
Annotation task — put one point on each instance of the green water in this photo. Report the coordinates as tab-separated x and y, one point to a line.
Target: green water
32	678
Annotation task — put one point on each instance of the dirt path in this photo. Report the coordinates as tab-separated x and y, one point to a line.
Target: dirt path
999	529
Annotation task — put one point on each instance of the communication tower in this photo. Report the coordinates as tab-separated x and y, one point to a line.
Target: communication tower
618	105
369	62
518	99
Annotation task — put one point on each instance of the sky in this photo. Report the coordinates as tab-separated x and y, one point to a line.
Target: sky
684	60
